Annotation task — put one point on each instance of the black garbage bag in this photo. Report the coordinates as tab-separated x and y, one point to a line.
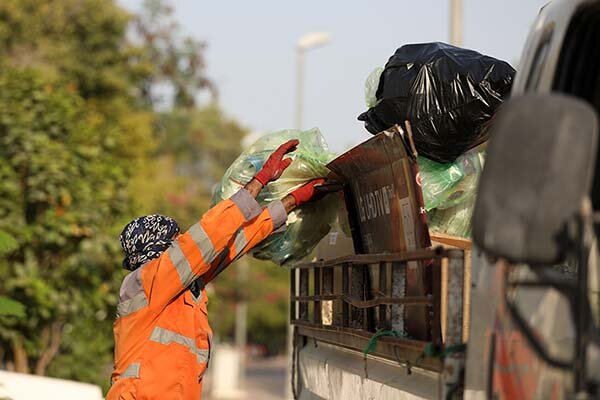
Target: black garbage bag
449	94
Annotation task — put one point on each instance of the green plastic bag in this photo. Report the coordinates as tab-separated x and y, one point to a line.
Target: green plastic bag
449	192
454	221
306	225
448	185
371	86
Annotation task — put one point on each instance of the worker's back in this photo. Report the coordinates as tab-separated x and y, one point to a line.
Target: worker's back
156	347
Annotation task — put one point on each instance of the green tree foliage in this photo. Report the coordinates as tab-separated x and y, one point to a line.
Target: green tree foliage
177	62
11	308
8	306
7	243
266	293
80	41
63	192
73	134
194	147
81	153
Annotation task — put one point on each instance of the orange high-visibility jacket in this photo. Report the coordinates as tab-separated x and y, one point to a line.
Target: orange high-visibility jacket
162	334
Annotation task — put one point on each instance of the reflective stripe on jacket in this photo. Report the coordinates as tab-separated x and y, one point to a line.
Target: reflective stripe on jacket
162	334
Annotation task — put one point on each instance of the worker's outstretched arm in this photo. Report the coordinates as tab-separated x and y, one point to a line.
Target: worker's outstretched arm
236	223
253	232
248	235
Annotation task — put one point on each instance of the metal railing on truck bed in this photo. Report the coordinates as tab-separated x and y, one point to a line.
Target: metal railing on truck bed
383	290
346	300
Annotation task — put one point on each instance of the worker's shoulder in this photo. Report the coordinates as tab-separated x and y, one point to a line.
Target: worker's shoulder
132	294
132	285
136	281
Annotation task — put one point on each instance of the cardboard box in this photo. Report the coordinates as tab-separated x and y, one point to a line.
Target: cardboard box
382	195
334	245
386	216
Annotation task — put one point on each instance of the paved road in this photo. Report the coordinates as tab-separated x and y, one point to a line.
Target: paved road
265	380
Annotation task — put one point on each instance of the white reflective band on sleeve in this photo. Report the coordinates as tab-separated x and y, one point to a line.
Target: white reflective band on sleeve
132	371
247	204
182	265
132	285
203	242
165	336
132	305
278	214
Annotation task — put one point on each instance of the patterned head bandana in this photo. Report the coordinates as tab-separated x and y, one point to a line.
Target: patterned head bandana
145	238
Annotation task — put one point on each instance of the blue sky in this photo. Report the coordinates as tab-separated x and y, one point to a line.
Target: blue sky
251	51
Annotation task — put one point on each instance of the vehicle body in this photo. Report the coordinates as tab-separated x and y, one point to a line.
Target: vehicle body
375	275
562	54
331	334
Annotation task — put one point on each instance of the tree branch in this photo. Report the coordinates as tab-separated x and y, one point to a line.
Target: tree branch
21	361
51	338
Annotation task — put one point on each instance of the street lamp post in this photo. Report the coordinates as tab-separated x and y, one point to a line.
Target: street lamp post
456	22
241	307
307	42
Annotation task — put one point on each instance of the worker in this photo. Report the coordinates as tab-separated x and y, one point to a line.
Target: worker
162	334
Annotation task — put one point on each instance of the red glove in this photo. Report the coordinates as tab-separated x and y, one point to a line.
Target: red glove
276	164
307	192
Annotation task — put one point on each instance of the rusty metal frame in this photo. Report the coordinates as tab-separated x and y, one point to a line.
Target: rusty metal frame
404	351
454	362
360	307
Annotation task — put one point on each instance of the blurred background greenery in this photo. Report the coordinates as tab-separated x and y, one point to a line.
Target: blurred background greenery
86	145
